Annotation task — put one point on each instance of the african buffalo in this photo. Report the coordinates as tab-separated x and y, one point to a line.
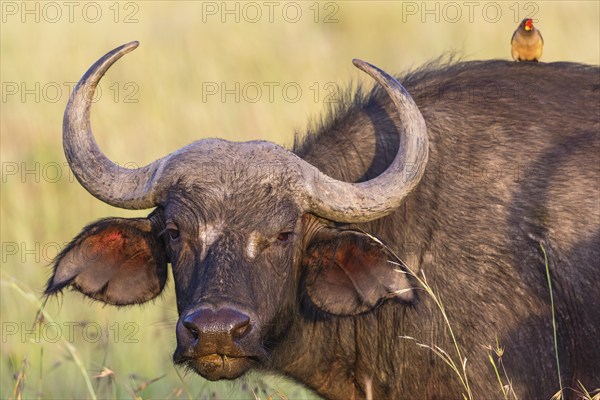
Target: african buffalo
310	262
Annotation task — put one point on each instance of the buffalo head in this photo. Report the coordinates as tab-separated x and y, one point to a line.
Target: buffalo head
253	233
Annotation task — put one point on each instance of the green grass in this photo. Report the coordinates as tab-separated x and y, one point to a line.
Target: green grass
40	212
555	341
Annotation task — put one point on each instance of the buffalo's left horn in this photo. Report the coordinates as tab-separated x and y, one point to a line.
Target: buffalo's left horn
380	196
107	181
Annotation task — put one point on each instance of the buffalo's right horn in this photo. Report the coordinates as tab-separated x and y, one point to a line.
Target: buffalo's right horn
105	180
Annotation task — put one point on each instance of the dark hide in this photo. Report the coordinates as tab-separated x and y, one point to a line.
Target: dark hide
514	165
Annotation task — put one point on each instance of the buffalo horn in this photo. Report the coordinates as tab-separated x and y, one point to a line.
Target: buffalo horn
380	196
107	181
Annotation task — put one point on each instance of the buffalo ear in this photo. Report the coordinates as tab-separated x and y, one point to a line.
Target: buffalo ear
349	273
115	260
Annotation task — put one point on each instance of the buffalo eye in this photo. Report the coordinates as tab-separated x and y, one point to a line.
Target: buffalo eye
284	237
172	232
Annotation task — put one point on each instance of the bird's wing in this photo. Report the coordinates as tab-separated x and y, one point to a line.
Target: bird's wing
513	36
541	38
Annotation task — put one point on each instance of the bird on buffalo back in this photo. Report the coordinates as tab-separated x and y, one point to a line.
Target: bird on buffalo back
527	42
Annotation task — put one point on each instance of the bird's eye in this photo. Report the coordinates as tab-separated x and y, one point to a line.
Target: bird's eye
284	237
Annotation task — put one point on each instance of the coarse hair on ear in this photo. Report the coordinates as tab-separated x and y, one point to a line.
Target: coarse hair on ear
117	261
349	272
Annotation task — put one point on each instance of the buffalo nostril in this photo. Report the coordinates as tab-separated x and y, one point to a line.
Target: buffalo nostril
192	328
241	329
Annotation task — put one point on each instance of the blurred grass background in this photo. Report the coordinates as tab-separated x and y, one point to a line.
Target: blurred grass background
153	102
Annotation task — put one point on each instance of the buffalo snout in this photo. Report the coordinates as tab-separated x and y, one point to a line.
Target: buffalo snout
219	342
